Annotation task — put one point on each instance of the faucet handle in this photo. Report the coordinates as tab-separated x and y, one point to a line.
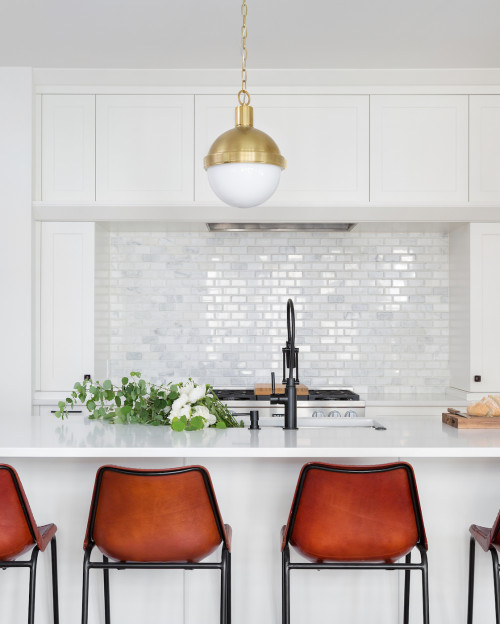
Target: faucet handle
273	383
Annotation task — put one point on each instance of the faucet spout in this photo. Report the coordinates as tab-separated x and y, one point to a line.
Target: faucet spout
290	357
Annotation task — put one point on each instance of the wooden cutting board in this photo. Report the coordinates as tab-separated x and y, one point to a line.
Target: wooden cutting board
264	389
474	422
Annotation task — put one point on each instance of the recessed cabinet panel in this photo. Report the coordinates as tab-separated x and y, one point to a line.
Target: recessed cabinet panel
68	148
419	148
66	304
484	148
324	139
474	304
144	148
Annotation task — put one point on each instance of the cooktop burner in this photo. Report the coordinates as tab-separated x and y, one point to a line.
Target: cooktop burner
247	394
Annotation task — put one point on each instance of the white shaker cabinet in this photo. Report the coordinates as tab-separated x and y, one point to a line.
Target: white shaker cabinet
66	294
68	148
474	305
419	149
325	139
484	168
144	148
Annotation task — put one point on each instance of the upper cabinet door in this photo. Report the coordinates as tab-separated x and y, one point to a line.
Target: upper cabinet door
324	139
484	148
419	148
68	148
144	148
66	304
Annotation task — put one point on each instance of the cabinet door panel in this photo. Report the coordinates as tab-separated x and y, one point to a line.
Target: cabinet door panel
484	148
324	139
144	148
68	147
418	148
485	303
67	304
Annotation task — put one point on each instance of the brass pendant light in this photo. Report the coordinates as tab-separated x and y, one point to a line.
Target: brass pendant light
244	164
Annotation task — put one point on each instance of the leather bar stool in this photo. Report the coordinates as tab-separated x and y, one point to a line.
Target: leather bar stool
155	519
355	518
489	540
19	534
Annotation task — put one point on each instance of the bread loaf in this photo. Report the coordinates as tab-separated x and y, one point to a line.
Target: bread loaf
487	406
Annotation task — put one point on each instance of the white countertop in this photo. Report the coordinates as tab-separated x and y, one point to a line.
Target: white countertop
405	436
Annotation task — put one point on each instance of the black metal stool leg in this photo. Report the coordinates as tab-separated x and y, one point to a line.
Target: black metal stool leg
285	586
425	585
31	604
470	600
406	609
496	583
85	588
223	588
55	591
228	618
107	613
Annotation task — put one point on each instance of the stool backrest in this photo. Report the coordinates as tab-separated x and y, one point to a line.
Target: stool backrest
18	530
355	513
155	515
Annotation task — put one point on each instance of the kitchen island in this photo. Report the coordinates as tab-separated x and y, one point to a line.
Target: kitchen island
254	475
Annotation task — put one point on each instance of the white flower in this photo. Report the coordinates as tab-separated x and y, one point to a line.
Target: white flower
180	402
184	410
201	410
197	393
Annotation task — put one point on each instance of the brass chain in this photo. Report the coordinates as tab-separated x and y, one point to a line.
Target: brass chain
244	92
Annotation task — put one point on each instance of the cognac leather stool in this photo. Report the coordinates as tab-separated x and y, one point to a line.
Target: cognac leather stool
155	519
355	518
19	534
488	539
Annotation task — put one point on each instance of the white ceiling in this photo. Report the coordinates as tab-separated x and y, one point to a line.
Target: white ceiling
156	34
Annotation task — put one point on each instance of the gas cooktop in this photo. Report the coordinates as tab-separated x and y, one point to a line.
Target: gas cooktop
248	394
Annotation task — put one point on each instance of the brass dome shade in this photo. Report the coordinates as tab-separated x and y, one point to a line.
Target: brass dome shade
244	144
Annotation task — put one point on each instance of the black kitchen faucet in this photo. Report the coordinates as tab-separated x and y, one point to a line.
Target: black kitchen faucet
290	359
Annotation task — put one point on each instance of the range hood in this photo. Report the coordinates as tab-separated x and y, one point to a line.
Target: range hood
280	227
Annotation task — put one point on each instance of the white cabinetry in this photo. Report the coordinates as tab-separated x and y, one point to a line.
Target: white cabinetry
474	305
418	148
68	148
324	138
66	289
484	148
144	148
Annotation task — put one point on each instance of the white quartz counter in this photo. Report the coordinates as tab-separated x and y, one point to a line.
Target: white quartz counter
405	436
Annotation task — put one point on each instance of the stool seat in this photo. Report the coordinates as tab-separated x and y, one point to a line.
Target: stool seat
355	517
488	539
483	536
129	513
19	534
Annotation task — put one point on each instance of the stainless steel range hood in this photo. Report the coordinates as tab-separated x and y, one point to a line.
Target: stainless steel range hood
280	227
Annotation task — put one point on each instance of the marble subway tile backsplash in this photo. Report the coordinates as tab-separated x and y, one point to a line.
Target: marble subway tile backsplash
371	308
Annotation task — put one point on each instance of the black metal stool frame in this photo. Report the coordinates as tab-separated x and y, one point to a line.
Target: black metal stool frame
496	581
224	565
407	566
32	561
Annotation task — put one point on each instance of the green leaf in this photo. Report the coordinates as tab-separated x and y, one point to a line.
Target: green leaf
58	414
178	424
91	405
196	423
107	385
61	405
124	381
220	425
118	401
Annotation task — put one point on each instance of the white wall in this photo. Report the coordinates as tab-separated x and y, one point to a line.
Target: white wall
16	111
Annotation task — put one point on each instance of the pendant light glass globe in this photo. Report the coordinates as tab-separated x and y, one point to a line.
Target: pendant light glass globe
244	164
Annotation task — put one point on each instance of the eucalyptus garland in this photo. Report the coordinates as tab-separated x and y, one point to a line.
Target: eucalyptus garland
184	406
